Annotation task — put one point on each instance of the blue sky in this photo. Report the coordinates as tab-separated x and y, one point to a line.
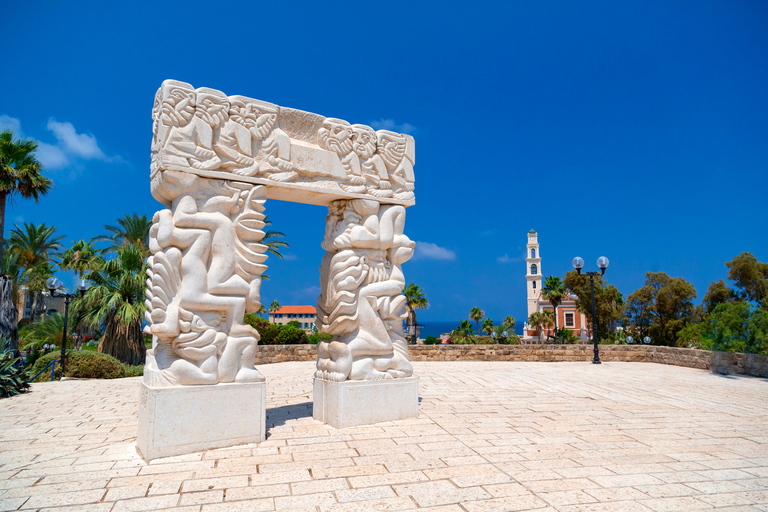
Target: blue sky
634	130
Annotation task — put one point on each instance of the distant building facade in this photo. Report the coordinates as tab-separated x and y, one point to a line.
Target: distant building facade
305	315
568	315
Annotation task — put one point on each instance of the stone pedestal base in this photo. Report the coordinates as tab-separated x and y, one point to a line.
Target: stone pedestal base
185	419
363	402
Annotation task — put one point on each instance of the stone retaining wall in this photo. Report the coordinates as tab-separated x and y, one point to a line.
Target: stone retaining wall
722	362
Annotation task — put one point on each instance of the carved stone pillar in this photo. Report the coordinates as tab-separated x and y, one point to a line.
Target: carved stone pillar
204	276
364	374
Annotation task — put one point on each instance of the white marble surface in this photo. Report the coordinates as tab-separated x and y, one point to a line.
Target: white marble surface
299	156
354	403
186	419
361	301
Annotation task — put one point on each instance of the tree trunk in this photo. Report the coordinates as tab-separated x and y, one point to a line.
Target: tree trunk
123	342
8	315
3	197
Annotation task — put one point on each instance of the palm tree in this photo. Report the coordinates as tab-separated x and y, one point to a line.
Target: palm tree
116	301
81	257
130	230
274	306
36	246
549	319
48	329
488	326
477	314
414	299
273	245
508	322
554	291
536	322
19	174
464	328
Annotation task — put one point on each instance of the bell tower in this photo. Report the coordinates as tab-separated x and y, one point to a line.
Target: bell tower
533	273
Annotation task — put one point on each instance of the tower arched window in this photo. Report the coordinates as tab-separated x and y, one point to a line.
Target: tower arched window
534	285
533	253
533	269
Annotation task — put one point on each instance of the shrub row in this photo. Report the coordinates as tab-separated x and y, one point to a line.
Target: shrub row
276	334
85	364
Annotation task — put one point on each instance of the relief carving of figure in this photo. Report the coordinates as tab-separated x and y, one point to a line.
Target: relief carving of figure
192	145
199	287
336	135
361	301
371	164
251	143
174	108
398	154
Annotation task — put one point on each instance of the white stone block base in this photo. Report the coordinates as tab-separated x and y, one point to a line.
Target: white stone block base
185	419
363	402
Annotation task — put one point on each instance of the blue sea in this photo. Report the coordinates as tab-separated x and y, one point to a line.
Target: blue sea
436	328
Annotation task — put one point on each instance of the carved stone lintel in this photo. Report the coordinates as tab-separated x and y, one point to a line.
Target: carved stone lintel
298	155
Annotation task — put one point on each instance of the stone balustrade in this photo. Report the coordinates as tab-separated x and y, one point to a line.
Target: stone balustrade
722	362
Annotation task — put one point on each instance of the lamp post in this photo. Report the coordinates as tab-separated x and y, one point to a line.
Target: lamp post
646	340
602	263
56	287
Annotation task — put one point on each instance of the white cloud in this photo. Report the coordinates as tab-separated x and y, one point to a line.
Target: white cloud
52	157
289	256
78	144
70	147
507	259
430	251
8	123
389	124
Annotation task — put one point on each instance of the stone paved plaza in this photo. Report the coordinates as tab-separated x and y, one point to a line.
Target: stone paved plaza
490	436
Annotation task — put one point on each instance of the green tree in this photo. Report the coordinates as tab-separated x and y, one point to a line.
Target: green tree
729	327
609	301
536	321
414	299
554	291
19	174
488	326
116	301
477	314
80	258
130	230
717	293
274	306
661	307
271	239
508	322
36	247
750	277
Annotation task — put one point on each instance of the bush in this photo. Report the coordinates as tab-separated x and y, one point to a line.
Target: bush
317	337
81	364
276	334
431	340
13	378
133	371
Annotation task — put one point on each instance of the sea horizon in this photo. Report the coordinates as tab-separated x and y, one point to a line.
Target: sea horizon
437	327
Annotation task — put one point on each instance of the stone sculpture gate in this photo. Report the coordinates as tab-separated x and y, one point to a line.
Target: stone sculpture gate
215	161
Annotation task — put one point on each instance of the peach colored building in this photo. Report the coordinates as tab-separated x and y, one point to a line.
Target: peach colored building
305	315
568	315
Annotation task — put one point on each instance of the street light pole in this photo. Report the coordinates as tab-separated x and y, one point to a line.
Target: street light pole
55	287
602	263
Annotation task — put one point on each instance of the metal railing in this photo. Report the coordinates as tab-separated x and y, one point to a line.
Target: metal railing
52	364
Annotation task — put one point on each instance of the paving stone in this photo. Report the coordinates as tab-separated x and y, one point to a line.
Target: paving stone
551	436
